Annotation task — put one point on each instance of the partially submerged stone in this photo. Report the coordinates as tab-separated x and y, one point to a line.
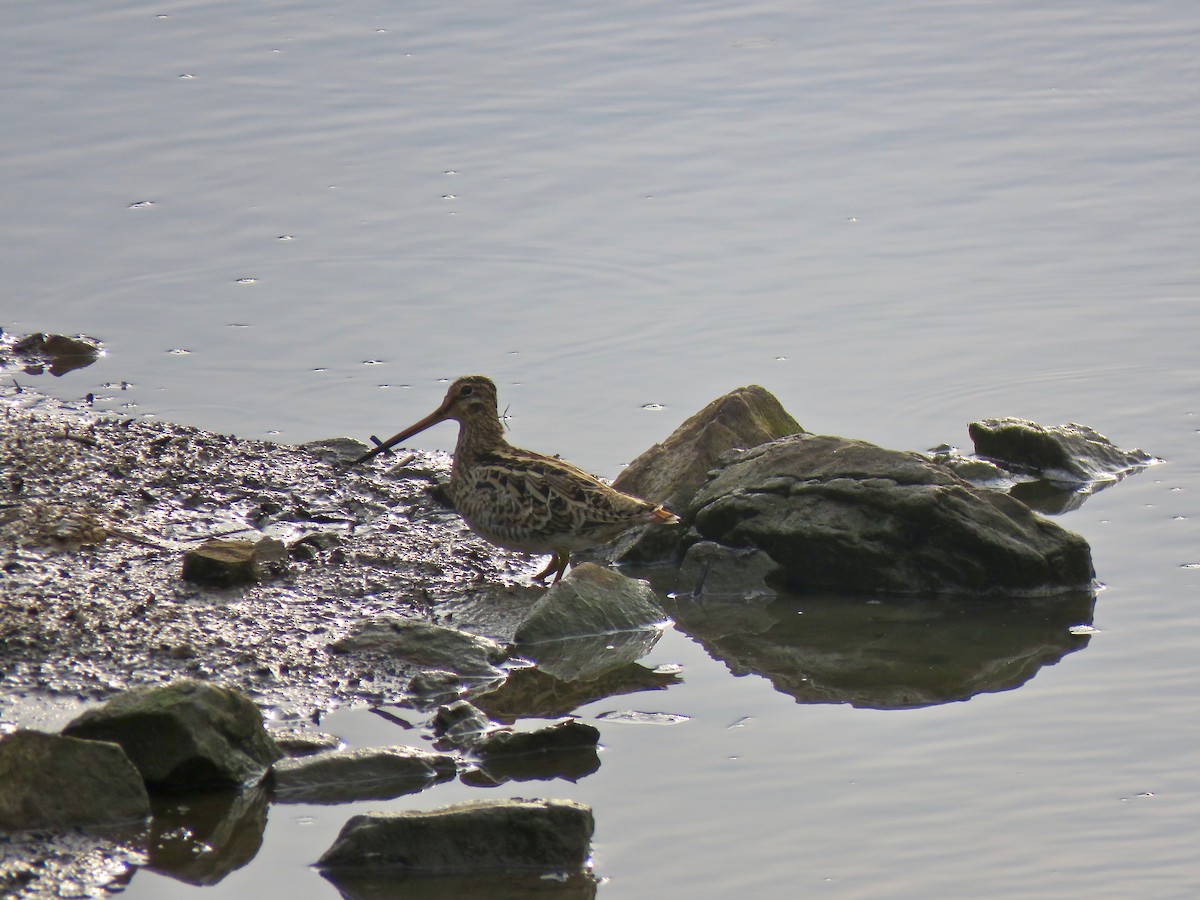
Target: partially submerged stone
564	750
369	773
59	353
1070	453
299	742
839	513
590	600
423	644
548	836
558	738
187	736
460	724
226	563
48	781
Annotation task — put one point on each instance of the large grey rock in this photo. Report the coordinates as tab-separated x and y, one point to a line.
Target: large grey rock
186	736
370	773
484	835
590	600
51	781
839	513
671	472
423	644
1071	453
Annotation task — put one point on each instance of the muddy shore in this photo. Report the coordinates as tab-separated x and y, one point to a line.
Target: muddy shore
97	511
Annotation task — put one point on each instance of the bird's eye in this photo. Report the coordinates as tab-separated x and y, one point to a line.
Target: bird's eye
466	391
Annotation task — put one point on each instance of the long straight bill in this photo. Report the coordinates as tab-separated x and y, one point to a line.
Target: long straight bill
438	415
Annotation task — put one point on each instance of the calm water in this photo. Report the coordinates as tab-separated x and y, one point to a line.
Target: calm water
291	220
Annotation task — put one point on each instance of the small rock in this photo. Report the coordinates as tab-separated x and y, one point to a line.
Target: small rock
48	781
305	743
433	687
341	449
564	750
187	736
549	836
226	563
590	600
557	738
1071	453
423	644
371	773
460	724
59	352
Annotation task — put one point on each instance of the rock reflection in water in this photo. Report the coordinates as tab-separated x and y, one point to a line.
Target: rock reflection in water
534	694
891	653
201	838
391	886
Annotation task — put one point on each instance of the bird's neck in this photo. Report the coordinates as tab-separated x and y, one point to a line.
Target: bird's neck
477	436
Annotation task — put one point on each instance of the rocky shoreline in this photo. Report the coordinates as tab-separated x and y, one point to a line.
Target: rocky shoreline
141	556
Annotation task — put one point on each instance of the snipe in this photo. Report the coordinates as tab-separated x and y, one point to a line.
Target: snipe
519	499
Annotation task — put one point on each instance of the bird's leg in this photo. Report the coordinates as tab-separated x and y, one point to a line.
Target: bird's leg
559	560
564	559
551	566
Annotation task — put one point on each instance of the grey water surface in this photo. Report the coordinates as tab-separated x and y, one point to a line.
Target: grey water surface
295	219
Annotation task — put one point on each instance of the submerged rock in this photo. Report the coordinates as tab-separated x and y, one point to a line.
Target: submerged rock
838	513
187	736
1069	453
370	773
423	644
48	781
547	836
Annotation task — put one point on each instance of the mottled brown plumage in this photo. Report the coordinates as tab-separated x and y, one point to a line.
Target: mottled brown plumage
519	499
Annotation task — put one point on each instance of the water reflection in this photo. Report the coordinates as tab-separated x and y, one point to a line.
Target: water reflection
893	653
37	353
569	764
201	838
376	886
548	690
